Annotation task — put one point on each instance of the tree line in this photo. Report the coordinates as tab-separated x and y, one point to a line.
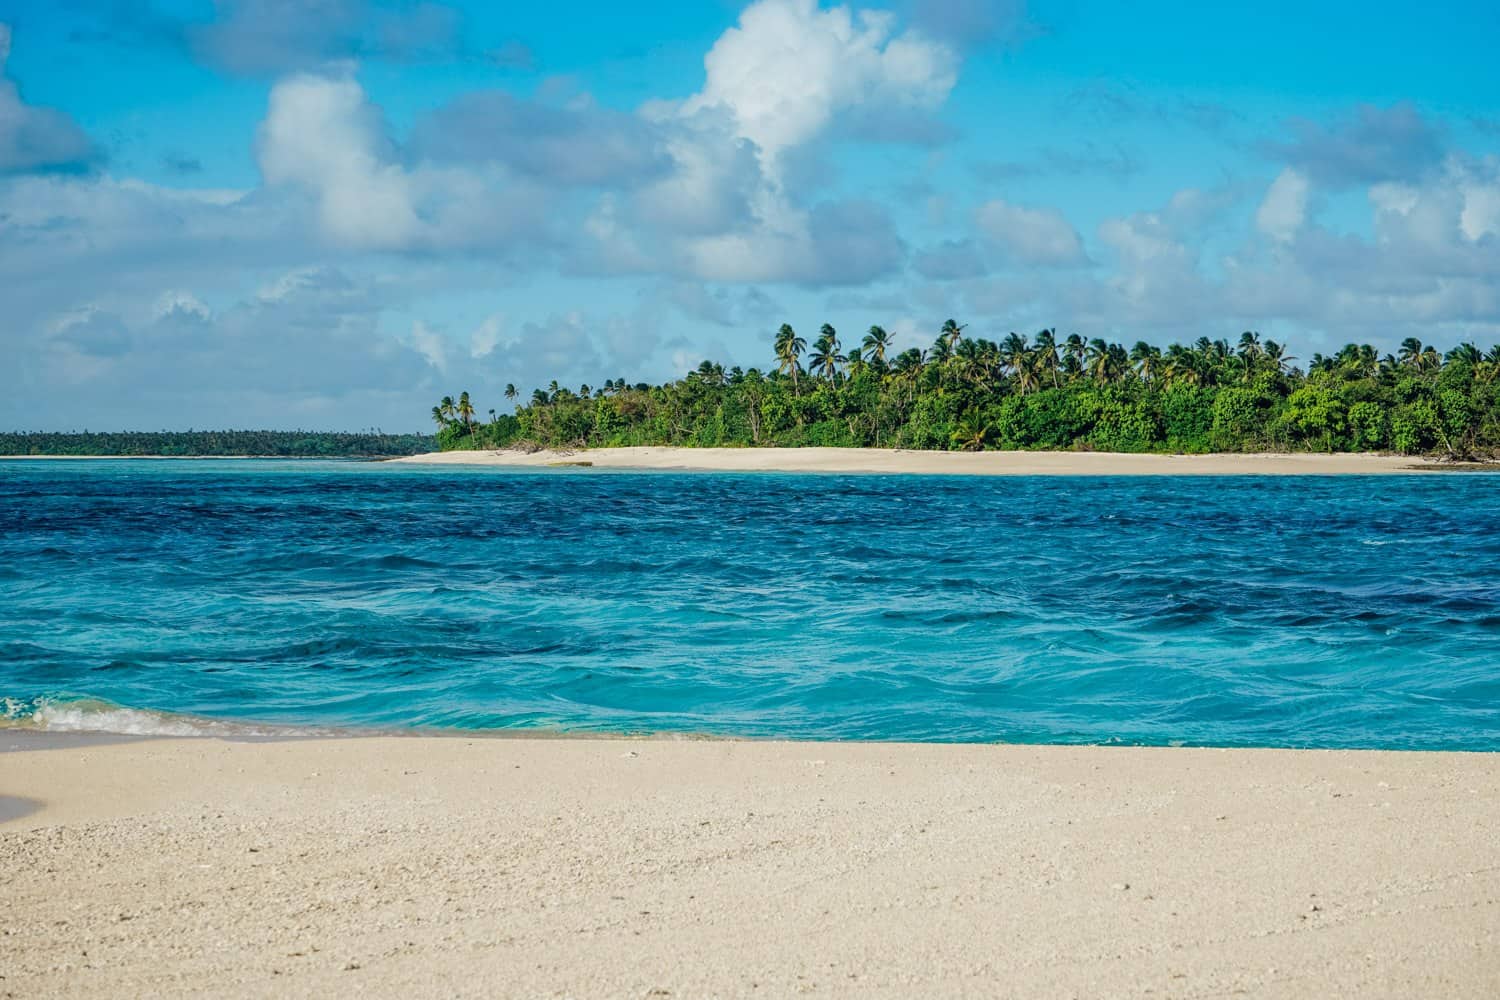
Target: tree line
1038	392
278	444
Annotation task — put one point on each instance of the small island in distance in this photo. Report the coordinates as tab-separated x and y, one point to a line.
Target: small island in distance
1042	393
214	444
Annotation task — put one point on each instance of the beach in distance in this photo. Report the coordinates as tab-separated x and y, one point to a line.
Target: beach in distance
453	866
984	463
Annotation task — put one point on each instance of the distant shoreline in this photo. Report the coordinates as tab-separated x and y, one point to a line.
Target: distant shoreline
880	461
198	458
985	463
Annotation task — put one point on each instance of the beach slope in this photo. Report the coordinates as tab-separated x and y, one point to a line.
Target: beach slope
986	463
549	867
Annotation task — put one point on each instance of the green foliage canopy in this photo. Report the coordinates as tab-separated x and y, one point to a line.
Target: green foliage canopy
1040	392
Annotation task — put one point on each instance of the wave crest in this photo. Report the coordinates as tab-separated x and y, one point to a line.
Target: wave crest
82	714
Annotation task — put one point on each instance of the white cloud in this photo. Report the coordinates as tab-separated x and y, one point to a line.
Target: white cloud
431	345
185	303
1032	236
321	135
1480	189
789	67
487	336
1284	209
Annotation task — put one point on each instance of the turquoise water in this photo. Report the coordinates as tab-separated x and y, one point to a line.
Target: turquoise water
1330	612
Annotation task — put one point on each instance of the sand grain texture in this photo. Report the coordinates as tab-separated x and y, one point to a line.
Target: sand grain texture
494	867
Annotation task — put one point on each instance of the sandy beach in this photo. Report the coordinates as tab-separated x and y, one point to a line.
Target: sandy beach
988	463
552	867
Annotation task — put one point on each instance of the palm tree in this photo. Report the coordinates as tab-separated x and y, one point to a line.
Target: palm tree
466	412
1277	357
789	347
971	433
875	344
1181	366
1466	353
952	332
510	391
973	360
1046	356
1147	360
1249	353
438	417
1073	351
1016	354
708	373
1098	361
942	351
826	354
1410	353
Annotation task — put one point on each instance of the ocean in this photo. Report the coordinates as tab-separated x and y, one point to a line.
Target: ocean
245	597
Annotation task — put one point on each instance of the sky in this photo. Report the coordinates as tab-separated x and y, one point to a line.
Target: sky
328	213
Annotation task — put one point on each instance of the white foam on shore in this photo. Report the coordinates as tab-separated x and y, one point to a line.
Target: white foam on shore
92	715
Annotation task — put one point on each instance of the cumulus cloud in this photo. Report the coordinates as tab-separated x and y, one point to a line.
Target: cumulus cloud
1038	237
320	134
729	208
322	137
33	138
1284	208
700	188
789	67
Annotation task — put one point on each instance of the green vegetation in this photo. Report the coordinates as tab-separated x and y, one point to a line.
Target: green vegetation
968	393
280	444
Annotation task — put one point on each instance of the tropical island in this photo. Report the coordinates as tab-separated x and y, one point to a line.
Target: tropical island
1039	393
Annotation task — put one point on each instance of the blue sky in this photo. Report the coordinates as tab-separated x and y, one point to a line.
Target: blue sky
326	213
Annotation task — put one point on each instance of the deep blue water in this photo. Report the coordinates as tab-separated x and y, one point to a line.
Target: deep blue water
1332	612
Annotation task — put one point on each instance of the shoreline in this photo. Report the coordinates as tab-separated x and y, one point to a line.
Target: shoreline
987	463
606	867
875	461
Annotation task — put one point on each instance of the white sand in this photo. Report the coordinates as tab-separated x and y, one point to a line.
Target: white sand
988	463
451	867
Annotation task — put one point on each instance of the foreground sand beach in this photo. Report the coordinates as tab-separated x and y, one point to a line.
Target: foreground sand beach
988	463
622	868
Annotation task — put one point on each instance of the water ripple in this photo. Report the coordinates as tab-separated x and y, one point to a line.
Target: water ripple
1344	612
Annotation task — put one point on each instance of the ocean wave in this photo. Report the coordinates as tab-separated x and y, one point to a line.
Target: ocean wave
788	607
82	714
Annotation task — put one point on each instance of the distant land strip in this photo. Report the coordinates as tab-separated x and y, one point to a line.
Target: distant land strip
214	444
